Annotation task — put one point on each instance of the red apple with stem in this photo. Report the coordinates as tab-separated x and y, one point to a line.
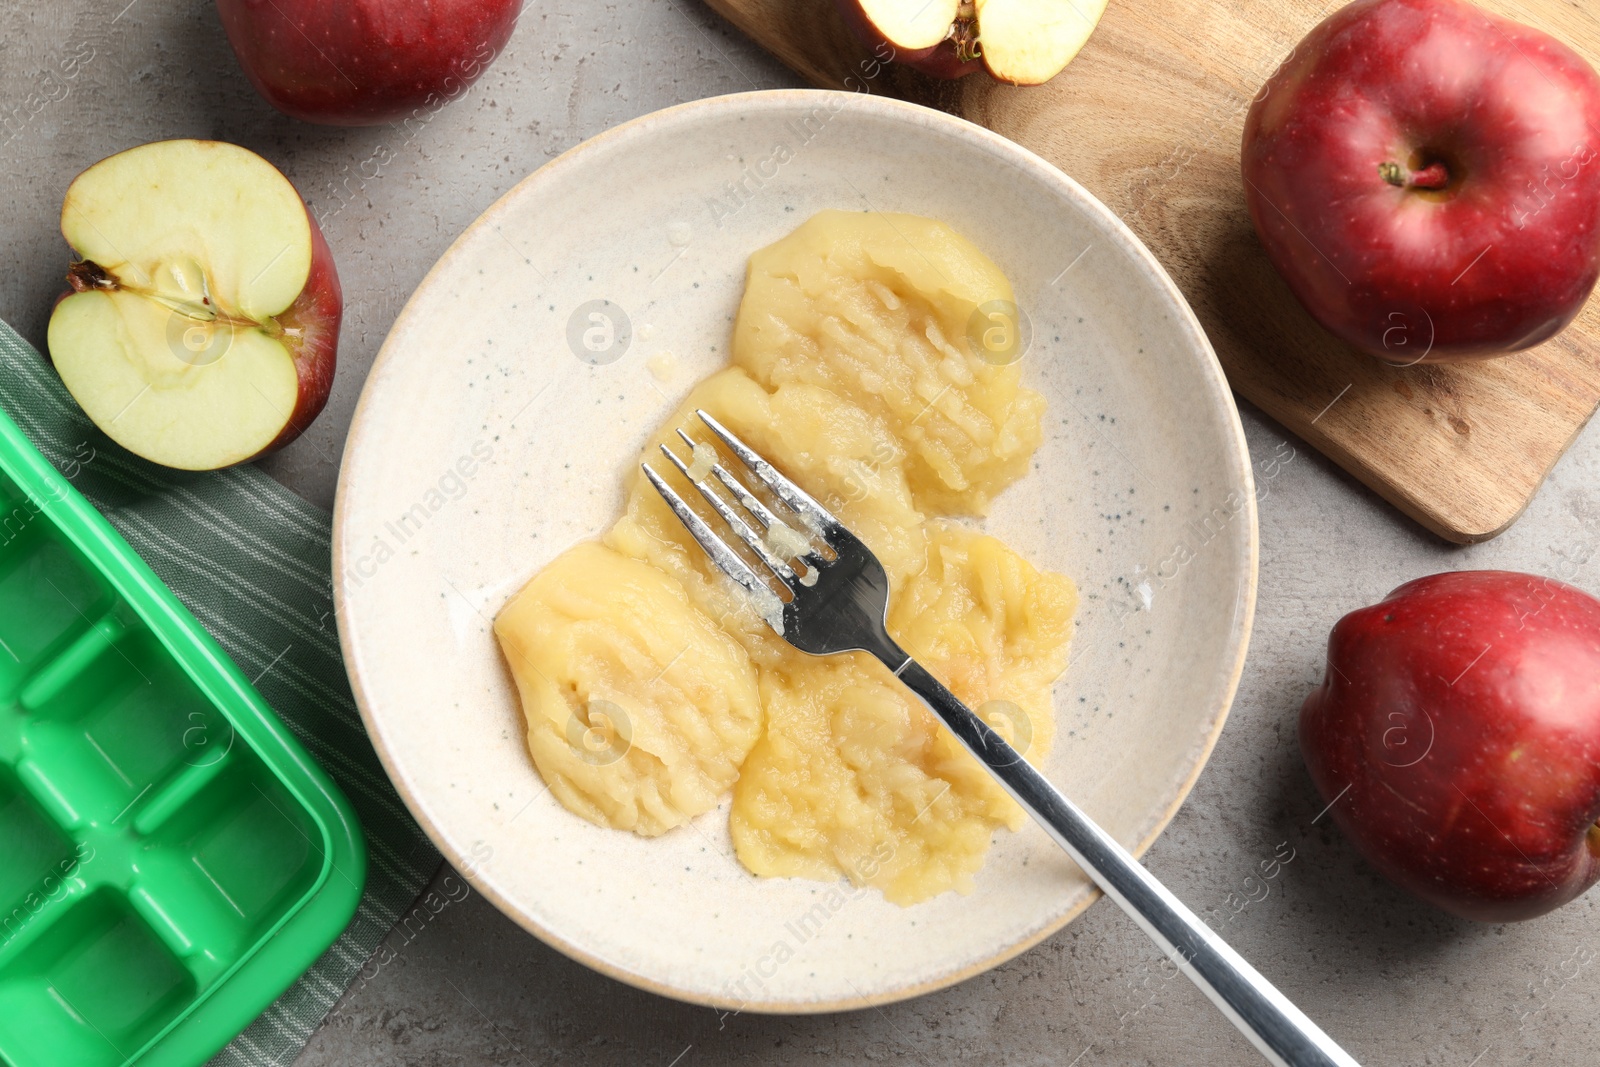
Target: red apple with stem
1456	740
1426	177
202	323
365	62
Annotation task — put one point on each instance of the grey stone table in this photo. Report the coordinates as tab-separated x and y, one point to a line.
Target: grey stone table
1396	981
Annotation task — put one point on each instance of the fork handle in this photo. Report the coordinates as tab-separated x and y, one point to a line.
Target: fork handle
1283	1034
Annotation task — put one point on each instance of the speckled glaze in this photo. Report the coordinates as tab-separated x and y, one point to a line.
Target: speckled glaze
499	419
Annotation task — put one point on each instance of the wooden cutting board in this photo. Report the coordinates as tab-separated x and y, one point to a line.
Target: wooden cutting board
1148	118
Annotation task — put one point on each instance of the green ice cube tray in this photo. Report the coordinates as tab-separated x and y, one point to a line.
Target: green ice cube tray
171	859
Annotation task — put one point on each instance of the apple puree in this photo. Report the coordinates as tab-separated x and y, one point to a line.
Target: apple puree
651	684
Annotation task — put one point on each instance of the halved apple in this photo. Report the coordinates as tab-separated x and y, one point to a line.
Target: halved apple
202	324
1024	42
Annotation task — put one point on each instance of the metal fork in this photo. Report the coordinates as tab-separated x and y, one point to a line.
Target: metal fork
839	604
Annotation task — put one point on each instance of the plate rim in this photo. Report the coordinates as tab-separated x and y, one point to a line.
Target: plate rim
898	110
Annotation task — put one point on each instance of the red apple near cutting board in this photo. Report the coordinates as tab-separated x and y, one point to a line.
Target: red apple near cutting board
1421	174
1456	740
1149	116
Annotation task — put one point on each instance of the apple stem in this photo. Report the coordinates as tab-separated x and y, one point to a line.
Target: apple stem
1433	176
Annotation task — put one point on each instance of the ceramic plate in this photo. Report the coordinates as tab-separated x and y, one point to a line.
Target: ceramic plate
522	379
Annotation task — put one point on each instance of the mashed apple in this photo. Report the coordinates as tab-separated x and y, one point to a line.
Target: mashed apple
594	640
850	759
651	684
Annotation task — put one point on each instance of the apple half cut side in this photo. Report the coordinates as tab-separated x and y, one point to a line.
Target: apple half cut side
1028	42
202	323
1024	42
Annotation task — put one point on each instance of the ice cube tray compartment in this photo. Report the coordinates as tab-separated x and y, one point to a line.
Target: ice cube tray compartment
92	990
218	873
47	597
111	722
170	859
35	856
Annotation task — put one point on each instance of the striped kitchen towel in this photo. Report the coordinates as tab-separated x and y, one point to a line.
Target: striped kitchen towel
252	561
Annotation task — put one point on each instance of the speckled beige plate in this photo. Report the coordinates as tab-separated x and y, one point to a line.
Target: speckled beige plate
517	387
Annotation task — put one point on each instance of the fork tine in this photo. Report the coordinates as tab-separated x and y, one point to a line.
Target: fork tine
767	604
753	503
821	521
746	534
745	497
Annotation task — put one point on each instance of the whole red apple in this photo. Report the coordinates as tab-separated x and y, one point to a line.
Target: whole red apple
202	324
1425	177
1456	740
365	62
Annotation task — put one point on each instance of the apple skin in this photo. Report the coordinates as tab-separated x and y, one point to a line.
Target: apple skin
364	62
311	334
1456	740
1504	255
940	61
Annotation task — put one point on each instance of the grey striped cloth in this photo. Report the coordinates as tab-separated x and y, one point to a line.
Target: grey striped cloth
252	561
